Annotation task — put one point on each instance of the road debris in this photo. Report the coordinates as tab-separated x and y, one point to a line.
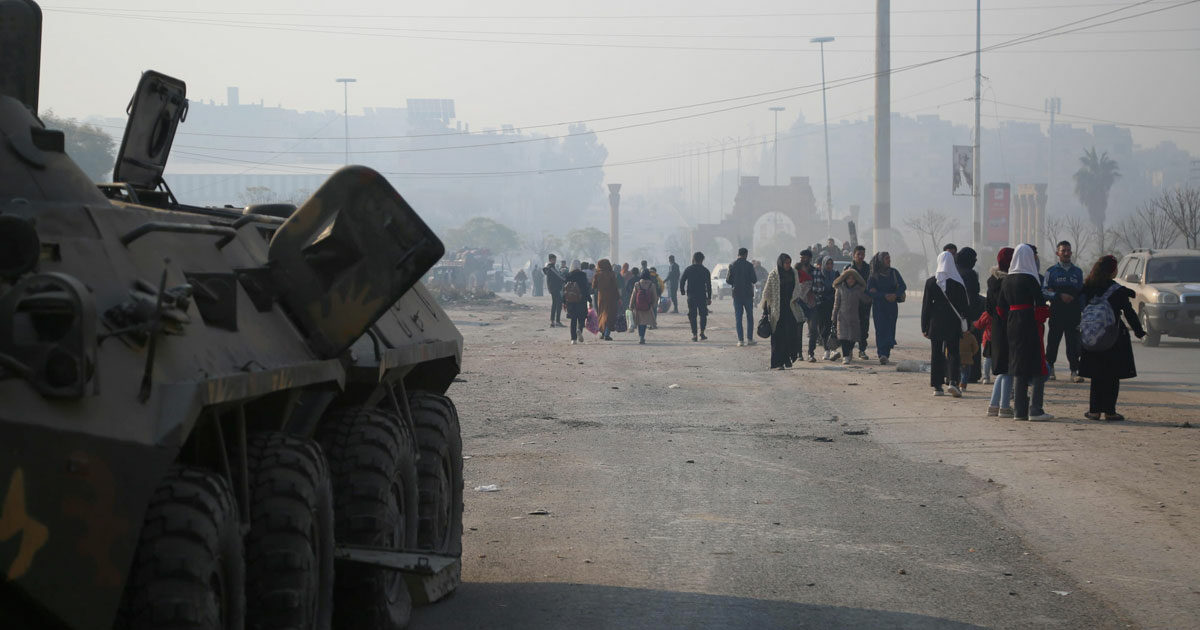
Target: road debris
854	432
822	439
673	386
540	512
488	488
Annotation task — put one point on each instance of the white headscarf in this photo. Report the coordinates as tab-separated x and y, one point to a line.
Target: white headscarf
947	270
1023	261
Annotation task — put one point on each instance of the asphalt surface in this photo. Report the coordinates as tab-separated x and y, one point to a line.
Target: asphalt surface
734	500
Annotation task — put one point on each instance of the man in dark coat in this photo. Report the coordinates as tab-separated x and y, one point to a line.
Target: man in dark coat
1062	286
859	263
673	283
696	284
554	286
742	278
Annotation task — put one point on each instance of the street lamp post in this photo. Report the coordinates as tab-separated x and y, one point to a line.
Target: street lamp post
346	111
825	115
776	109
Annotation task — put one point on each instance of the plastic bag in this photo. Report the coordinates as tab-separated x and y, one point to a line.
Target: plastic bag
592	323
629	320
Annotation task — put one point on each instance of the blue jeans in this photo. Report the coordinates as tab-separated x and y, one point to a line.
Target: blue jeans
1002	391
747	306
642	331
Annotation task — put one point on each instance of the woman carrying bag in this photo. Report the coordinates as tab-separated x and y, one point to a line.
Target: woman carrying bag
942	323
780	303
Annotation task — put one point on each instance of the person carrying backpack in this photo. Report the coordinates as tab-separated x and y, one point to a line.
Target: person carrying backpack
1101	327
696	285
577	295
643	302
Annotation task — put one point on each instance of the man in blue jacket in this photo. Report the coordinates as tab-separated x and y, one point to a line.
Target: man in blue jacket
1062	285
742	278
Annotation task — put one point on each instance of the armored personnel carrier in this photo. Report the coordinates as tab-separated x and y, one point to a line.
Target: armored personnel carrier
213	417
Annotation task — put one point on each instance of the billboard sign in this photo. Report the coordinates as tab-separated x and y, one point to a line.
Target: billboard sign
964	168
999	199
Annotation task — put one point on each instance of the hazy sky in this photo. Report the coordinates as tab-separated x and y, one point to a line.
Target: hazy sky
526	63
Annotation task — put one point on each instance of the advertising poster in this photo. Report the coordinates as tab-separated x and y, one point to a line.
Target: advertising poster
997	212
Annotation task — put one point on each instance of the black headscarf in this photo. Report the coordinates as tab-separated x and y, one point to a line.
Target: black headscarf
645	274
966	258
878	267
787	278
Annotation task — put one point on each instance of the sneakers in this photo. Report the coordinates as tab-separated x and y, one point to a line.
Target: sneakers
1075	377
993	412
825	357
1092	415
1052	376
883	360
939	392
694	338
1113	417
642	341
845	360
1020	418
741	343
751	342
1006	412
862	354
1041	417
835	355
987	380
811	358
954	391
703	337
573	342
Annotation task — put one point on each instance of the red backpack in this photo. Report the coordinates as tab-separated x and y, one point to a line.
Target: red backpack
641	298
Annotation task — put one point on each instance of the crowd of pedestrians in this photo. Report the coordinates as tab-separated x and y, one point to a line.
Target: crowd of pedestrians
1019	326
1006	332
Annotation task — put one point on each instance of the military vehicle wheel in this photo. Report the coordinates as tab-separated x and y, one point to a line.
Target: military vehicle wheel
439	473
370	455
188	571
289	550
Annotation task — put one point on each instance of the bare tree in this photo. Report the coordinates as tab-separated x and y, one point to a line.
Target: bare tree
934	226
1148	227
256	195
1182	207
541	246
1054	230
1081	235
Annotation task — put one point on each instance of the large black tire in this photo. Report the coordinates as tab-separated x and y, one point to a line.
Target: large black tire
289	550
439	471
1153	337
187	572
371	458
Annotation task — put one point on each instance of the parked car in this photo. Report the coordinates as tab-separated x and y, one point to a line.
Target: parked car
720	288
1167	284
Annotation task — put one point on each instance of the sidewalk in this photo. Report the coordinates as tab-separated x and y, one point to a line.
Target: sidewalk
1113	504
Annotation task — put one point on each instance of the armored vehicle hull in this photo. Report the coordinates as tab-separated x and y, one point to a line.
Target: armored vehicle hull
212	418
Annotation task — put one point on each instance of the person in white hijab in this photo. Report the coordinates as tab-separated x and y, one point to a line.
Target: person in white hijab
1019	302
1024	261
942	311
947	270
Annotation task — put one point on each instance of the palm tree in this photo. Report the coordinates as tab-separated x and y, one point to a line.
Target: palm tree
1093	180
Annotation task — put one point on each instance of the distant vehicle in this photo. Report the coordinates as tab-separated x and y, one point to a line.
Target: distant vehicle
720	288
1167	284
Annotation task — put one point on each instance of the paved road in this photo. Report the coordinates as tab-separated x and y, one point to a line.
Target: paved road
736	499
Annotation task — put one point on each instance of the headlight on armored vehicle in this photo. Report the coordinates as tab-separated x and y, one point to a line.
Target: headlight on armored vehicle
1166	297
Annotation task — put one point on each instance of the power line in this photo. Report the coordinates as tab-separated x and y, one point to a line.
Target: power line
1079	117
720	16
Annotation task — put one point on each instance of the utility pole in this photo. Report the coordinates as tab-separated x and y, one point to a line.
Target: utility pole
1053	106
614	220
883	121
825	117
977	187
776	109
346	111
708	181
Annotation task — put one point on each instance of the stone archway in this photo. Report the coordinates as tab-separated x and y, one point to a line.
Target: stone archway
794	201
